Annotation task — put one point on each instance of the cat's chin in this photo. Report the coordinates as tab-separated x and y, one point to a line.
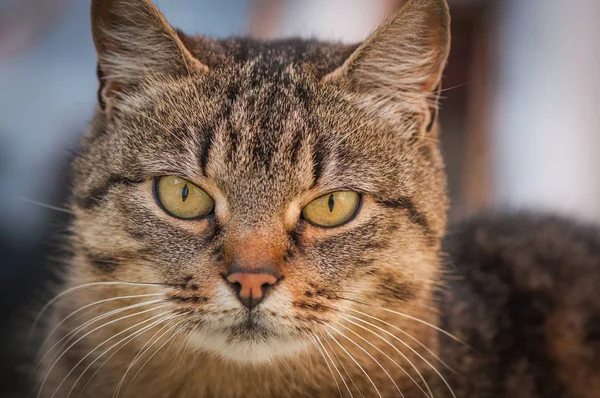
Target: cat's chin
246	349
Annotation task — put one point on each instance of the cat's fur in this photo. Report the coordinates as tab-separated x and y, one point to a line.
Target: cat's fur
264	128
522	291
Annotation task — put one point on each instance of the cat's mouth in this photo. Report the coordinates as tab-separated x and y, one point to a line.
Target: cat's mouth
250	339
250	328
247	343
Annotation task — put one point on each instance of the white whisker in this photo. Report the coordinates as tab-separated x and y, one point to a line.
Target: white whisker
100	345
383	352
401	354
78	340
183	349
141	353
446	333
357	364
343	367
433	354
410	348
59	324
125	341
69	336
45	205
75	289
323	351
157	350
368	354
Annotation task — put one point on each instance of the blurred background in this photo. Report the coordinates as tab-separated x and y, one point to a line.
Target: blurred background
520	118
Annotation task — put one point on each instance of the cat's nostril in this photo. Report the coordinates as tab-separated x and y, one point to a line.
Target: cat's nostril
251	288
237	286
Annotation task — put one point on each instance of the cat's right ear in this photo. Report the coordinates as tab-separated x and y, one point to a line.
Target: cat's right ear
134	42
400	65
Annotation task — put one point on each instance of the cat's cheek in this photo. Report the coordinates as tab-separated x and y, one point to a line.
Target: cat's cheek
100	235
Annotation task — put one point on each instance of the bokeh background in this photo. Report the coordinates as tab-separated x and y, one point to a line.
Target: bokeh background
520	115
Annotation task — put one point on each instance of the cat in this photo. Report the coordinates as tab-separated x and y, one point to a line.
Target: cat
265	219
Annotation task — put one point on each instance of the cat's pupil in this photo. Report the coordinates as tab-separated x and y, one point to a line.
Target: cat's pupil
331	203
184	193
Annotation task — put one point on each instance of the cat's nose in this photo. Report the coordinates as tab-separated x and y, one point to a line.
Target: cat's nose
251	288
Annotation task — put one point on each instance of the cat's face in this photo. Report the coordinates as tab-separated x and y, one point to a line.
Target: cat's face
256	141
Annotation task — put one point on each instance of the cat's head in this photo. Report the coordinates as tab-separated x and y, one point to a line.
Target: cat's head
265	187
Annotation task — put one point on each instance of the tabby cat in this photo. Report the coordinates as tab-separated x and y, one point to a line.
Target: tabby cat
265	219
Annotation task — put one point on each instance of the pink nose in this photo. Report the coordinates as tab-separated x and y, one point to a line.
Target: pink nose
251	288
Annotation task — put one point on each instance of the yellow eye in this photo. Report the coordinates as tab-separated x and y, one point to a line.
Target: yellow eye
181	198
333	209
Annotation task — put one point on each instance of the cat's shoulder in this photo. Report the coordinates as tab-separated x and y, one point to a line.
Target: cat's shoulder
530	252
536	251
522	290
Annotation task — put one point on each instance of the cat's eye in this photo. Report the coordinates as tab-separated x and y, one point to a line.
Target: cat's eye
182	199
333	209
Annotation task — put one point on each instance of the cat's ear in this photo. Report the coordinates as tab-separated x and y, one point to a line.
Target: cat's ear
400	65
134	41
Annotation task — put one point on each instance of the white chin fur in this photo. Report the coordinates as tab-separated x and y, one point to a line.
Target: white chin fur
246	352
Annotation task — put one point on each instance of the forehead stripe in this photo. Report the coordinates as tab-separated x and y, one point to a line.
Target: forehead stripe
206	143
318	160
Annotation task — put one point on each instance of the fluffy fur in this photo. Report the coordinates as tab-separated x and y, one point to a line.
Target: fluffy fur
264	128
520	289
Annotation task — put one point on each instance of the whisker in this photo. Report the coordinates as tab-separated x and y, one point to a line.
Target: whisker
184	348
75	289
410	348
129	339
141	353
100	345
81	338
344	367
356	362
59	324
73	333
156	352
433	354
306	347
409	317
163	316
45	205
399	352
321	349
69	336
368	354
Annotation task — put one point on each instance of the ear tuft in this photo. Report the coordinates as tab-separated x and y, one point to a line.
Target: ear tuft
134	41
400	65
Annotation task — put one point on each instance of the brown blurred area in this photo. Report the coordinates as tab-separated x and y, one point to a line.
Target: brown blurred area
24	22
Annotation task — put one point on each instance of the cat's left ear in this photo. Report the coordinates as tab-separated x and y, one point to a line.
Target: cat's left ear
400	65
135	42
